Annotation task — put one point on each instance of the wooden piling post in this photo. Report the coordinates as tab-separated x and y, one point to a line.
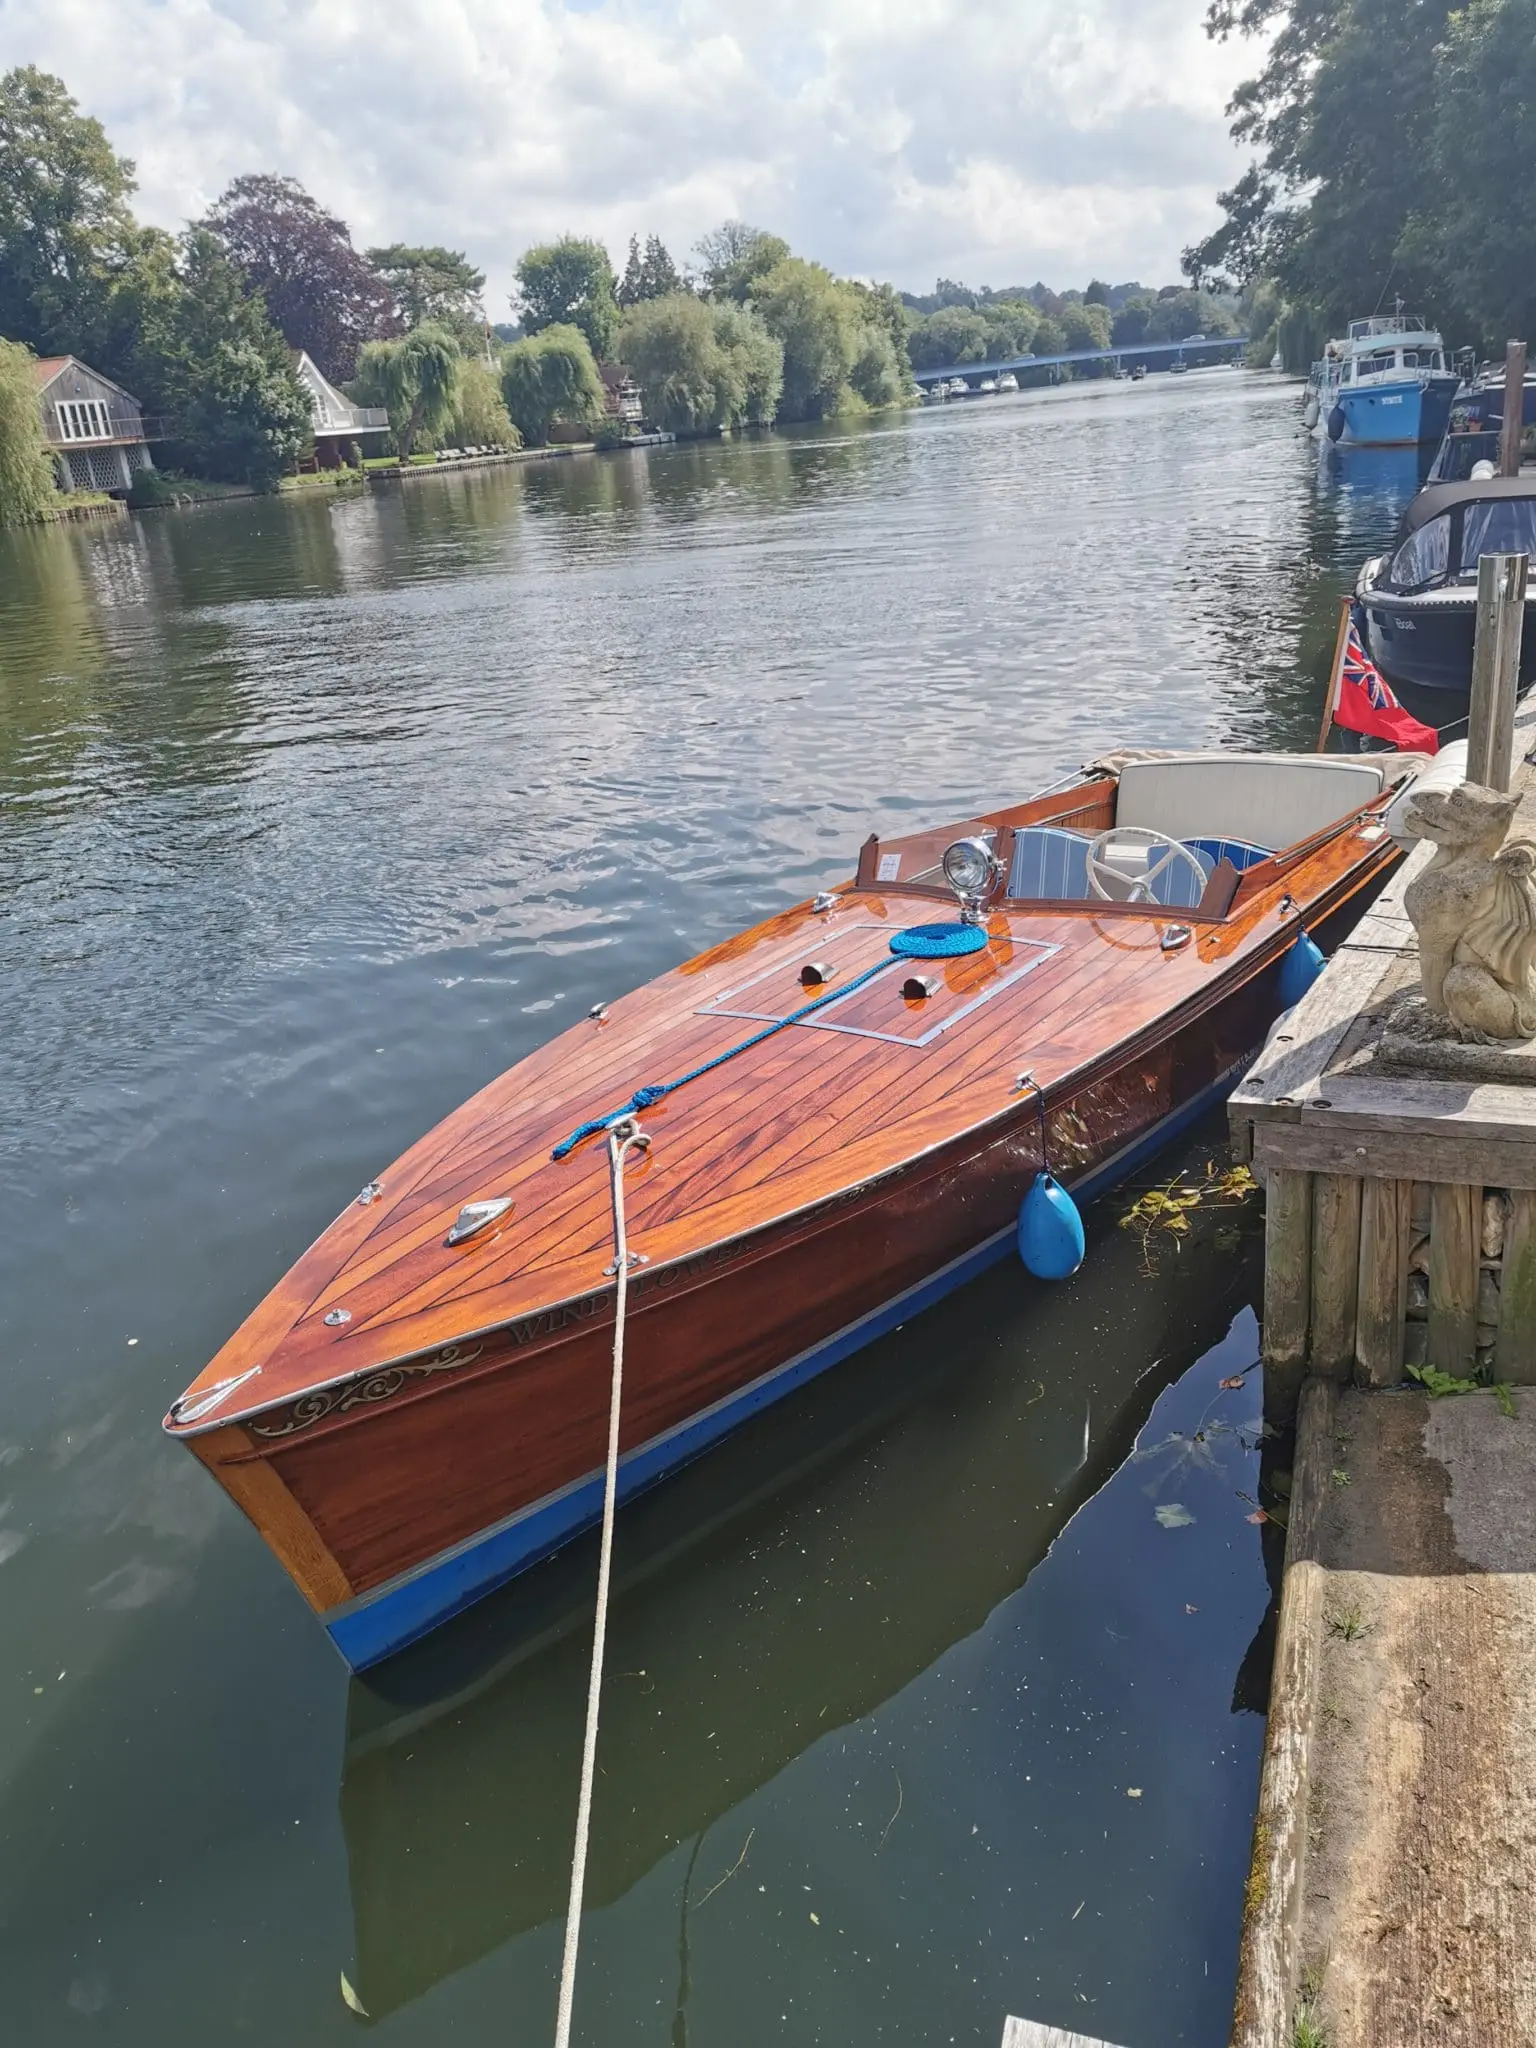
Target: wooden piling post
1455	1215
1335	1274
1287	1289
1514	409
1385	1209
1495	668
1514	1353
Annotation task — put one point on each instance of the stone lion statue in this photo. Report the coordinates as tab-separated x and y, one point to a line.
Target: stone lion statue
1474	909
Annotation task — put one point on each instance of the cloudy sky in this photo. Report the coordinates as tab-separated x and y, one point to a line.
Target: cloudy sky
890	138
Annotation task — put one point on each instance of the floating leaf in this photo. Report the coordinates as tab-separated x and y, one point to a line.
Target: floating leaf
353	2002
1167	1208
1173	1514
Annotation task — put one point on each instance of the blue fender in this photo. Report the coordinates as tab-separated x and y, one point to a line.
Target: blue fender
1299	969
1051	1241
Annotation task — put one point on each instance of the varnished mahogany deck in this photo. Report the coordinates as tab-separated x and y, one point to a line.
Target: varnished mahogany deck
786	1194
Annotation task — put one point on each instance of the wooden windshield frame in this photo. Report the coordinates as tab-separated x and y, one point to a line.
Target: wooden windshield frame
1226	892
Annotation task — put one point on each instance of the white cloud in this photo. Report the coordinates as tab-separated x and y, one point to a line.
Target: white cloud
892	138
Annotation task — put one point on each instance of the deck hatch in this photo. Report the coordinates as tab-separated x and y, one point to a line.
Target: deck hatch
880	995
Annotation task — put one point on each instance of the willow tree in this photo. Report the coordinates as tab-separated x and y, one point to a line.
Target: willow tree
26	468
480	417
551	376
416	379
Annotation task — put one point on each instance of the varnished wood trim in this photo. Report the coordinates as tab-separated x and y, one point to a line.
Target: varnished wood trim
257	1490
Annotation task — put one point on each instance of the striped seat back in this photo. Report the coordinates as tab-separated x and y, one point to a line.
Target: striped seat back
1241	854
1049	861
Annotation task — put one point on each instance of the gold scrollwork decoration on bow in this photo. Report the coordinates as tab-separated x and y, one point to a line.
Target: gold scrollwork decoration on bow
366	1392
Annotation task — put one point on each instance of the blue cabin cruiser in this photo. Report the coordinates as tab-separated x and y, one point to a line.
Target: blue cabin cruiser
1388	384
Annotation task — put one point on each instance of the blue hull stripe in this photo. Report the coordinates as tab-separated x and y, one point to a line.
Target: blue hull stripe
376	1624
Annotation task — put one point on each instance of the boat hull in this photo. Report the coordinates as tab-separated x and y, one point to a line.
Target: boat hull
413	1493
1425	643
1400	414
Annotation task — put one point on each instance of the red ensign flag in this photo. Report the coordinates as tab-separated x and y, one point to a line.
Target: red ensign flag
1365	703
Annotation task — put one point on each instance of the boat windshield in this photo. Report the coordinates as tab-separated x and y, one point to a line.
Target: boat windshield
1498	526
1377	364
1423	557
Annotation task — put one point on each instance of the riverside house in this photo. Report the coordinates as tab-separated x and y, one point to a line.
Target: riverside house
337	420
94	427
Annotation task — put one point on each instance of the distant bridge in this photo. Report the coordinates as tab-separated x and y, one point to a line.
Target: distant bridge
1155	354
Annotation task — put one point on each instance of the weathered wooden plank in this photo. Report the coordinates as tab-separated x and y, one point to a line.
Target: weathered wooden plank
1383	1289
1335	1274
1511	433
1515	1346
1455	1216
1489	1109
1031	2034
1296	1055
1269	1962
1287	1290
1322	1147
1292	1063
1495	662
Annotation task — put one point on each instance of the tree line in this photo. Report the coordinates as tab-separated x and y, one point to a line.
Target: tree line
204	326
1392	153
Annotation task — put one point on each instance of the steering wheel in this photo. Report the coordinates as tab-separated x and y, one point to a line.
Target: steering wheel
1109	882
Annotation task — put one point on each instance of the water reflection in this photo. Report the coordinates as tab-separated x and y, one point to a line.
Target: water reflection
789	1587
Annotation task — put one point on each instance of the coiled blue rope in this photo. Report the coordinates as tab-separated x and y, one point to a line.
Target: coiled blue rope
920	942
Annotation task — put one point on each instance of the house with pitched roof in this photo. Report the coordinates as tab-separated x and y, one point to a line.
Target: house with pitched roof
94	427
336	419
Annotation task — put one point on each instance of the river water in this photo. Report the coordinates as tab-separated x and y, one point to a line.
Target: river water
314	814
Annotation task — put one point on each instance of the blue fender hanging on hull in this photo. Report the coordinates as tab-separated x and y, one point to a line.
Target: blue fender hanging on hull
1051	1241
1299	969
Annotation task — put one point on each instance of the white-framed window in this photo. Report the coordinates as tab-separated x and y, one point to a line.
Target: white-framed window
83	419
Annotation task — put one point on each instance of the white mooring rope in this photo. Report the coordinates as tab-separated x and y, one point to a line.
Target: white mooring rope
621	1138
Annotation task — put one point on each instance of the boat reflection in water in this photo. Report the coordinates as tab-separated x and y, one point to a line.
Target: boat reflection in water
789	1584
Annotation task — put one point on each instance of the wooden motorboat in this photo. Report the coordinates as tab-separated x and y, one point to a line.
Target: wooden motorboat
419	1409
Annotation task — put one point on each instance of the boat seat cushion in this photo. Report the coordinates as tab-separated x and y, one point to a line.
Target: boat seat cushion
1269	800
1242	855
1049	861
1176	885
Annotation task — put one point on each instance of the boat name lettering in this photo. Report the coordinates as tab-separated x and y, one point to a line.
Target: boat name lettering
550	1320
686	1269
366	1392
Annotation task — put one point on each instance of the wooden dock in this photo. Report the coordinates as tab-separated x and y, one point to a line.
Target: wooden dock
1392	1899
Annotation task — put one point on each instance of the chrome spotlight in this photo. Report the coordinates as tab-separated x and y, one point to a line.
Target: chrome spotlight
970	868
